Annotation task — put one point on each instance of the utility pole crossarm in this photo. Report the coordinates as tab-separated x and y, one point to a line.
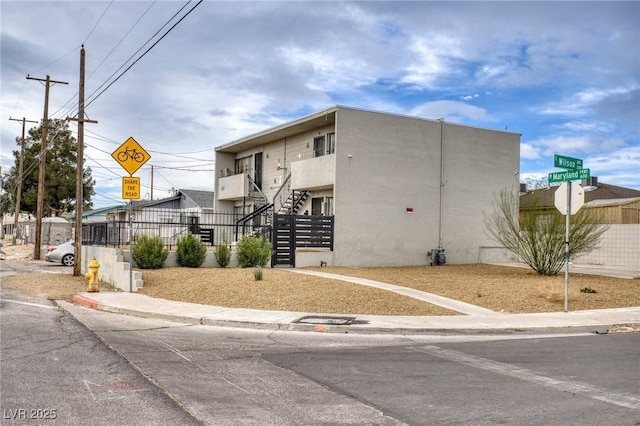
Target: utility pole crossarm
47	80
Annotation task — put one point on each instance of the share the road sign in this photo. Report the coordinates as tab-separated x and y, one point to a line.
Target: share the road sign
130	155
130	188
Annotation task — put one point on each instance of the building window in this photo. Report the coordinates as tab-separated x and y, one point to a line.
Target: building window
318	146
328	206
243	165
316	206
331	143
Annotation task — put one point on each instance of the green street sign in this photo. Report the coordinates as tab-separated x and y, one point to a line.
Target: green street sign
568	163
567	175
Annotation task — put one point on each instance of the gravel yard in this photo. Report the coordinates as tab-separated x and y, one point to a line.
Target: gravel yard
500	288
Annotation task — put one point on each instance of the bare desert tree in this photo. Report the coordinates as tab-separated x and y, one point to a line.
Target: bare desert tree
536	237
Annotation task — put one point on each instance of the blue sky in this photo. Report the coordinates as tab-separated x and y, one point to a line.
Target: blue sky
564	74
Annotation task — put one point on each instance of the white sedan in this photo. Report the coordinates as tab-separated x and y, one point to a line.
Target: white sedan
64	253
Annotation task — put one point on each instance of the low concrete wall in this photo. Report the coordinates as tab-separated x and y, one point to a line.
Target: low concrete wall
114	264
309	257
209	261
619	247
113	267
494	254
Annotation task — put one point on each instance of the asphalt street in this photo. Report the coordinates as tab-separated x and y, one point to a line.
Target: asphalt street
242	376
55	371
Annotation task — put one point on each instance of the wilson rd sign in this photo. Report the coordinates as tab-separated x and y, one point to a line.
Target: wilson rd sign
568	163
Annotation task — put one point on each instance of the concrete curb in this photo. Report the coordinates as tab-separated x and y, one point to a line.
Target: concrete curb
285	322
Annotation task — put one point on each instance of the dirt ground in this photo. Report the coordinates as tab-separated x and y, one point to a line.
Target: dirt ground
500	288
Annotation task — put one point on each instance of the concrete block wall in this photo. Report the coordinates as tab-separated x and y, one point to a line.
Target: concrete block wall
620	246
209	261
114	269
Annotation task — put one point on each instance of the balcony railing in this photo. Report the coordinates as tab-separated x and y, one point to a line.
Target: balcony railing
314	173
233	187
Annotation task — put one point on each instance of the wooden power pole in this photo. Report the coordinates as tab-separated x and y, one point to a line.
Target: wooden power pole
41	169
19	178
80	171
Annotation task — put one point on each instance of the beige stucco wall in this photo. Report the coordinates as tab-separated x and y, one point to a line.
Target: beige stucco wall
388	164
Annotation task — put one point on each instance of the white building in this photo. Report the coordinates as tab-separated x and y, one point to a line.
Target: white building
396	186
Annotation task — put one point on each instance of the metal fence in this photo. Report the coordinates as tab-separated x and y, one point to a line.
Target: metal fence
53	233
213	228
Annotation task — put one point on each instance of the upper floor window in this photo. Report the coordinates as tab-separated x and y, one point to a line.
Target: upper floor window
331	143
243	165
318	146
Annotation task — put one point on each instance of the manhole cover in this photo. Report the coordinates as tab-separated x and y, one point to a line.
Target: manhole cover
312	319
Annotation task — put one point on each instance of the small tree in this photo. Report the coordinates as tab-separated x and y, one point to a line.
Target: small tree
538	239
191	252
253	251
149	252
223	254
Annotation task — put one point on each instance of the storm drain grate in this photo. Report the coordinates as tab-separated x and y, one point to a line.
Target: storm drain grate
316	319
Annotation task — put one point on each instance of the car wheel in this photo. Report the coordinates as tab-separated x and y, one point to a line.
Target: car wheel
67	260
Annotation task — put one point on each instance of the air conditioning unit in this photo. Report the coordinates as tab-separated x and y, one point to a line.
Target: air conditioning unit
592	181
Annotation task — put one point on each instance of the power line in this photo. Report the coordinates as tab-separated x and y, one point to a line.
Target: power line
98	22
136	52
69	111
147	51
59	59
135	24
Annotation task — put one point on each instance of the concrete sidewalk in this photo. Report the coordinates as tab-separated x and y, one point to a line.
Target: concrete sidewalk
474	319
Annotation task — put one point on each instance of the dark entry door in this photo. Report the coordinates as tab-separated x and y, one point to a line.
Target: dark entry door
257	161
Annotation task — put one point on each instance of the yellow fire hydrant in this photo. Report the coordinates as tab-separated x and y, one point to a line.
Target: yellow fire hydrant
93	285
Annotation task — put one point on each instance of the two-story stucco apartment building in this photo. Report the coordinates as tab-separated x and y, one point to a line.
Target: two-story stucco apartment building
396	186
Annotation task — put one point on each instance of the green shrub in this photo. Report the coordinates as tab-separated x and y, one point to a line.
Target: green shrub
149	252
253	251
190	252
223	254
257	274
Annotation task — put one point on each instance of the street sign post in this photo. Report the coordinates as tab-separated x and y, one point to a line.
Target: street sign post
568	199
131	156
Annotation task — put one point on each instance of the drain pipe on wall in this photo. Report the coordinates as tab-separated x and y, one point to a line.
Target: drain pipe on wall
437	256
441	219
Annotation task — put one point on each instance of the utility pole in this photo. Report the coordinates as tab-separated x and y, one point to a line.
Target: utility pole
19	183
41	169
152	183
80	171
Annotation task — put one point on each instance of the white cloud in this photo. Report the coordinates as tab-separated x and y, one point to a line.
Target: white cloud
451	111
581	102
529	152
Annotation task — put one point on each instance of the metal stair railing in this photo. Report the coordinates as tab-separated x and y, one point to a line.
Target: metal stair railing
283	194
256	193
261	208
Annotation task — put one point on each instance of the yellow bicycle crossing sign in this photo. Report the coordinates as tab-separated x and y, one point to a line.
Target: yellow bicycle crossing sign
130	155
